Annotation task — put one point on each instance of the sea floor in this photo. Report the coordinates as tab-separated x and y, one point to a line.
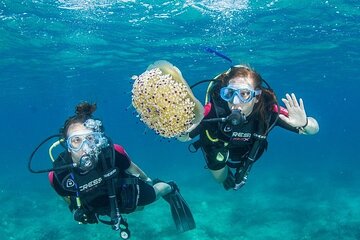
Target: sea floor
271	206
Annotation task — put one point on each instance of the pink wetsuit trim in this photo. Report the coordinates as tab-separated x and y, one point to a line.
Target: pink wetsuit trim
120	149
283	111
51	178
207	109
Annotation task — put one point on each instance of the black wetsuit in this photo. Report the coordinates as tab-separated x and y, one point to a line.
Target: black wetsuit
223	144
92	188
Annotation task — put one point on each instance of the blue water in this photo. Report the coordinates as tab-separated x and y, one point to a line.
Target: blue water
57	53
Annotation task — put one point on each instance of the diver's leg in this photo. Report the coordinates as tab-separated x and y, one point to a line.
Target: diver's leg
149	194
180	211
220	175
216	157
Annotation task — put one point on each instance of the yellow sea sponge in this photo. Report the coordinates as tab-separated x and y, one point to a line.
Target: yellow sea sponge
164	100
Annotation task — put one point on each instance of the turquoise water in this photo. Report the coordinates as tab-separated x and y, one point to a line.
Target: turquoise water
57	53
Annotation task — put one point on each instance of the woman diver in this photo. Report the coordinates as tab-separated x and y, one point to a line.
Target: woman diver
239	114
97	178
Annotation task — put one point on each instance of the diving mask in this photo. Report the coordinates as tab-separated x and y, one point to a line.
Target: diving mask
237	95
93	140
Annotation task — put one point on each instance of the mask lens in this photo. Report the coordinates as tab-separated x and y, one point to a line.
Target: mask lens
75	142
227	93
245	94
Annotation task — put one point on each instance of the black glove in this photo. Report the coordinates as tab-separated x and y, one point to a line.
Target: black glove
84	216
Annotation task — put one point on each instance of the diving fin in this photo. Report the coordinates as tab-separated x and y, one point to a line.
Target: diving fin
180	211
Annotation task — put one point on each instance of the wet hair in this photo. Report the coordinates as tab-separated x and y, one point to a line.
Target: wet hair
266	99
83	112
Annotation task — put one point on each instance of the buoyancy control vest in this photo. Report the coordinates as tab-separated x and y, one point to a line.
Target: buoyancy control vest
91	187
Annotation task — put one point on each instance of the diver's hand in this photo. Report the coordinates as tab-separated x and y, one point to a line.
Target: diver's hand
83	216
297	115
184	137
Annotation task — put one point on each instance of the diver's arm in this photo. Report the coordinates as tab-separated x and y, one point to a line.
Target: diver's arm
297	116
136	171
183	137
187	136
66	196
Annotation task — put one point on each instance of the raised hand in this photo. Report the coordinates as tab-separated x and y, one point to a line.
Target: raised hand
297	115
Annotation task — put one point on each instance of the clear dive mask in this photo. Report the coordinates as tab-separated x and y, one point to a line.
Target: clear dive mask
236	95
77	140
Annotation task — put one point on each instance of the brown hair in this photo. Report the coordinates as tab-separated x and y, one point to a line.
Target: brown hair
83	112
267	97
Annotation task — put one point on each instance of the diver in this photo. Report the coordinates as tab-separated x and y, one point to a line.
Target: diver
98	179
239	114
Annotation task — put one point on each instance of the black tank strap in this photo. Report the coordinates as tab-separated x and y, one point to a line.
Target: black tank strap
242	171
117	221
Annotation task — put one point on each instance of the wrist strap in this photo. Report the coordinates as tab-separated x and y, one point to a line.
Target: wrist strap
307	121
303	127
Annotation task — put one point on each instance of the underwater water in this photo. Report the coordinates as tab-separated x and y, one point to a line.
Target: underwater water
56	53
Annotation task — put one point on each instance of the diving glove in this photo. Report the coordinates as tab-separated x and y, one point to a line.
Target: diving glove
240	184
83	216
241	178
